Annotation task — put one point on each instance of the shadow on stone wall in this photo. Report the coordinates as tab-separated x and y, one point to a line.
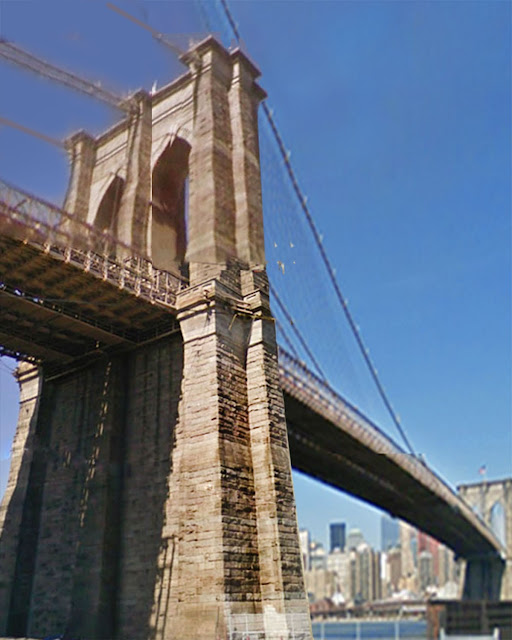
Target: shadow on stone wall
147	547
93	513
20	525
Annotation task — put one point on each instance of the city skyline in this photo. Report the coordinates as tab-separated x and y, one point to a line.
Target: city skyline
401	147
414	566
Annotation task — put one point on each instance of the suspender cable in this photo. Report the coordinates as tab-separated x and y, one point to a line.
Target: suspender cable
327	264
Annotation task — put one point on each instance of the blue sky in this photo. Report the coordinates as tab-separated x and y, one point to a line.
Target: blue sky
397	115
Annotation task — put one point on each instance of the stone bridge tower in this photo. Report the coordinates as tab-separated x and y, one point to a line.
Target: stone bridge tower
492	501
150	495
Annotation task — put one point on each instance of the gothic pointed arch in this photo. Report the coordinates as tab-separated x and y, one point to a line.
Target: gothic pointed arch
168	236
497	521
107	212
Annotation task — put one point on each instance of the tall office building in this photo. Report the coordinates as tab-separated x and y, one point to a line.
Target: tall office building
353	575
354	538
394	562
304	547
389	533
414	549
319	583
367	574
338	562
447	571
337	536
408	537
426	573
427	543
317	556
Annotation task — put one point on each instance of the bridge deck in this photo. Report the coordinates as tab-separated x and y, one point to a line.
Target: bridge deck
335	443
61	304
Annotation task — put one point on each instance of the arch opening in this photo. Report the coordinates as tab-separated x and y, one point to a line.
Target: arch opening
107	213
169	204
498	522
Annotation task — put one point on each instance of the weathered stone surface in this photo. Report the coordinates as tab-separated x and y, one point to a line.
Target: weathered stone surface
493	502
11	509
150	494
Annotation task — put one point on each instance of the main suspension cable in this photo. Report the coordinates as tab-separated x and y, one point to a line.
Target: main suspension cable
327	264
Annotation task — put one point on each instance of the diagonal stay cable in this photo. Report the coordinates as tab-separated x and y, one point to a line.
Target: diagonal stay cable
17	56
288	340
327	264
296	331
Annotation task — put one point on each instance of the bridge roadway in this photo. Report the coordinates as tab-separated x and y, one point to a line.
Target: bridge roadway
64	306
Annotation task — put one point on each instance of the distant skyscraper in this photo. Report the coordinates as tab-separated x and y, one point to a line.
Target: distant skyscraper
337	536
320	584
426	573
414	550
447	567
426	543
394	561
317	556
389	533
304	547
408	536
339	563
367	574
354	539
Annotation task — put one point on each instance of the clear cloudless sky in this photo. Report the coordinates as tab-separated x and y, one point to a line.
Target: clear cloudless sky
397	115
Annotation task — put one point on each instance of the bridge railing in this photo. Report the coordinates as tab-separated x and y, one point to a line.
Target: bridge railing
333	401
28	218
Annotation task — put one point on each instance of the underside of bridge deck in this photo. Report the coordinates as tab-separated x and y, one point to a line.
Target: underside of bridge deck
54	311
331	454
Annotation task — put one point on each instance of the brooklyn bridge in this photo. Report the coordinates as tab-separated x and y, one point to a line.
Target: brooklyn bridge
150	482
